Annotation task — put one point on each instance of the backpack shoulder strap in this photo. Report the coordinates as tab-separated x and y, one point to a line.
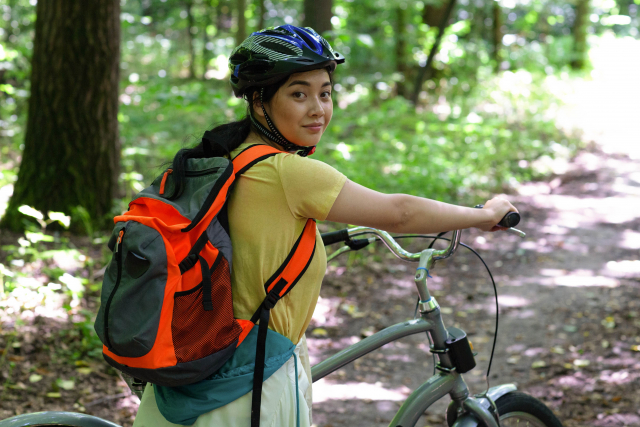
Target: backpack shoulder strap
252	155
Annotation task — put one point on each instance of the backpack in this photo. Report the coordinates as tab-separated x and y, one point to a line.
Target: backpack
166	313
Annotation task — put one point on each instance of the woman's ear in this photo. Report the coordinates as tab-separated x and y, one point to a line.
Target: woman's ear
256	105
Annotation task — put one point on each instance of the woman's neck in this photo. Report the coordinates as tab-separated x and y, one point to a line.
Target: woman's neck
256	138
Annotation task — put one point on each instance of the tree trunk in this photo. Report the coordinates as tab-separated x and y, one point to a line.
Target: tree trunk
579	31
497	34
432	14
425	72
241	32
190	27
206	54
71	153
401	48
317	15
262	12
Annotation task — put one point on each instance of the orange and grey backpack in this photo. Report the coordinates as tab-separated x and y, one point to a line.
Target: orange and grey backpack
166	313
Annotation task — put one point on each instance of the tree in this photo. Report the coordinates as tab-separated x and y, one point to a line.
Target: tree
191	27
71	154
425	72
497	34
579	32
401	49
241	32
317	15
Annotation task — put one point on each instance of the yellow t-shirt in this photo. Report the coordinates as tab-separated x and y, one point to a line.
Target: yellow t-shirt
268	209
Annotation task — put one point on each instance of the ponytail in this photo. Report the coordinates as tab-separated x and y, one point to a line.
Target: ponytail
222	141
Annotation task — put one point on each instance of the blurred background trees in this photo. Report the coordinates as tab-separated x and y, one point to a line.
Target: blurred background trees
440	98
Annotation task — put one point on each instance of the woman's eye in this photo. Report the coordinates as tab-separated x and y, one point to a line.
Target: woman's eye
298	95
326	94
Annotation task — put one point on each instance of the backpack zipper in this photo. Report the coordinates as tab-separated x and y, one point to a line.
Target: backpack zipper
202	172
118	254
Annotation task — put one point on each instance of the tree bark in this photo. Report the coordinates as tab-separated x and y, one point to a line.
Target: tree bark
71	152
241	32
190	27
401	48
425	72
317	15
579	31
262	12
497	34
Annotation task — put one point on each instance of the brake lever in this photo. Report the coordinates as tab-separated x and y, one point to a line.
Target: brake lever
516	232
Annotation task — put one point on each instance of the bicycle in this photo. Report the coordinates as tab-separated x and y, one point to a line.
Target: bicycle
500	405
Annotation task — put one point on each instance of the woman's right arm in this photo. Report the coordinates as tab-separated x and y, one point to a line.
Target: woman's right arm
402	213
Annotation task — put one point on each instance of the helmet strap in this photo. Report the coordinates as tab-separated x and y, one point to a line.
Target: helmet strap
275	136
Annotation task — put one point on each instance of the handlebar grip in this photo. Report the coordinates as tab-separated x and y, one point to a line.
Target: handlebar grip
335	237
510	220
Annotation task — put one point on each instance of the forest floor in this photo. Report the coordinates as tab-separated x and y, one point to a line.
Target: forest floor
569	321
568	294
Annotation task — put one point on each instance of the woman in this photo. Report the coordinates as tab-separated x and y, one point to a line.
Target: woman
284	74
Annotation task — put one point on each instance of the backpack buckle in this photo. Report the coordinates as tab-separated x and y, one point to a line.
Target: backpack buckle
270	300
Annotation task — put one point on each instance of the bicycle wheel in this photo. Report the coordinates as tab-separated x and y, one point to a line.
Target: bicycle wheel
519	410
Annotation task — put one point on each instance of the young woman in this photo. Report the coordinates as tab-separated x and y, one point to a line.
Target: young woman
284	74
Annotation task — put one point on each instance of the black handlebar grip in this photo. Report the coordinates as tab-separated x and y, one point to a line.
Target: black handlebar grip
510	220
335	237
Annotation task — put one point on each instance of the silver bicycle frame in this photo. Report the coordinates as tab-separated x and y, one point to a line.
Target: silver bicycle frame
471	410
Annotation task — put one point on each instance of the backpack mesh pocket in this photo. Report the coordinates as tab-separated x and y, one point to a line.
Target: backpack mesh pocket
198	333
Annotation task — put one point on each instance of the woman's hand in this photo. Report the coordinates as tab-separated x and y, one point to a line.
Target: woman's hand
497	208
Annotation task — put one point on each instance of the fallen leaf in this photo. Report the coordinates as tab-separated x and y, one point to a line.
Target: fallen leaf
84	370
43	371
54	394
581	363
15	358
446	310
319	332
635	347
616	398
513	360
538	364
34	378
18	386
557	350
608	322
570	328
66	384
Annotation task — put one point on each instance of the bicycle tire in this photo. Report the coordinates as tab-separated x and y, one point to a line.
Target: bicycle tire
519	409
517	406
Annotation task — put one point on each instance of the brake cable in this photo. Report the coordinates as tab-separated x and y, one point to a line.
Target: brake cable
493	282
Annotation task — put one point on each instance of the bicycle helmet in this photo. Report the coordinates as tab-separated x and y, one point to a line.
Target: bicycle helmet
268	56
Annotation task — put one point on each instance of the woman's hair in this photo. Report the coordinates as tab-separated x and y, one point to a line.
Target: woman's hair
223	138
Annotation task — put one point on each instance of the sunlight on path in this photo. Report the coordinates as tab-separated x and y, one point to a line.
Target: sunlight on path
607	107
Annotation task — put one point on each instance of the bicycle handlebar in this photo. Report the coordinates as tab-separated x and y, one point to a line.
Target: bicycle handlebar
345	235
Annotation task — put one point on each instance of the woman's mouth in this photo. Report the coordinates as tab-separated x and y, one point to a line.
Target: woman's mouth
314	127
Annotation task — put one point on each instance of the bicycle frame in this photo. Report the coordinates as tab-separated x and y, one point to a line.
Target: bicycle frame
470	411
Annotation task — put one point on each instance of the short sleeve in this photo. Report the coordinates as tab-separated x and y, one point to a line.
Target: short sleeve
310	186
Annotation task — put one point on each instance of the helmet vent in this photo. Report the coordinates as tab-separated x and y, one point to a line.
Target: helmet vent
307	40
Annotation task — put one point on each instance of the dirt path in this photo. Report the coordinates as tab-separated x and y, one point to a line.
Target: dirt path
570	313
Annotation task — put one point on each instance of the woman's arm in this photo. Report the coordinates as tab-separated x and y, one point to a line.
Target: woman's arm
401	213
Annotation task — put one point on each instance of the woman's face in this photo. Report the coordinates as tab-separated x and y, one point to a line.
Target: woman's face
302	108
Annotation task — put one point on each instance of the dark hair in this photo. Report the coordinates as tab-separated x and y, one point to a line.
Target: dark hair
224	138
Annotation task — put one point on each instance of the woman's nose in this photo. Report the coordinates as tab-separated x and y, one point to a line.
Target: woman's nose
316	108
